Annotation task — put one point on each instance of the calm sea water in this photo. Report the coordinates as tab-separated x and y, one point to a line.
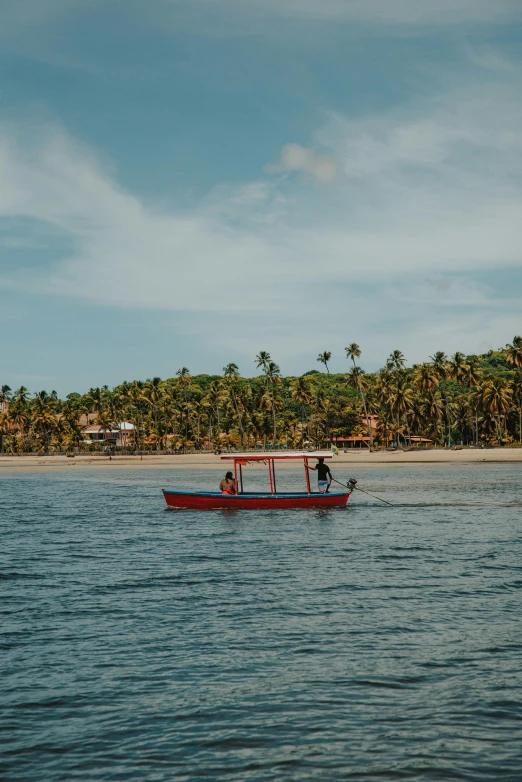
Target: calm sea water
372	643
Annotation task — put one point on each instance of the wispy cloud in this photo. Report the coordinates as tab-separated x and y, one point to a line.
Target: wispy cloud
126	254
423	191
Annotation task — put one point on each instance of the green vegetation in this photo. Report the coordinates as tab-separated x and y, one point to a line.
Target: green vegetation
473	399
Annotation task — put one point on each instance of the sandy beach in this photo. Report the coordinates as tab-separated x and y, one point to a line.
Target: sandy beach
206	461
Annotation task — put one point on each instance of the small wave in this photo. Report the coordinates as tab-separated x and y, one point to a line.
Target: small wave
390	684
14	575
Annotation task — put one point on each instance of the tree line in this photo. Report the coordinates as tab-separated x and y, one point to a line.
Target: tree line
470	399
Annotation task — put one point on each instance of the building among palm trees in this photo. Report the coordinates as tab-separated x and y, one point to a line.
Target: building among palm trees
119	434
378	433
358	440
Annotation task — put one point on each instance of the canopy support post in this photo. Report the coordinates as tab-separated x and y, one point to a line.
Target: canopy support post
270	476
241	478
273	473
235	475
307	476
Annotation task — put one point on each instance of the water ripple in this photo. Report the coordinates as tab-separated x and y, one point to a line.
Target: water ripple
373	643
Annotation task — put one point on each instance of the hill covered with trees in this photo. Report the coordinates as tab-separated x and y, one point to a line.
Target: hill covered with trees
473	399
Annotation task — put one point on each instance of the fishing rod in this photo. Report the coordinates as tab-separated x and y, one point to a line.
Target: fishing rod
352	485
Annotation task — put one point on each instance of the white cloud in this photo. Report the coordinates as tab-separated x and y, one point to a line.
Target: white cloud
44	29
422	192
294	157
473	130
126	254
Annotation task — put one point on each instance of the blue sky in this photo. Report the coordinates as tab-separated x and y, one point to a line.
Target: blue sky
187	182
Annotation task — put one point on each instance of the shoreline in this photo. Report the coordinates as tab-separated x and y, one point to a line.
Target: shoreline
211	461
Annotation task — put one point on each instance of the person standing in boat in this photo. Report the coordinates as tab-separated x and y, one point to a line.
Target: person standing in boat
228	484
324	476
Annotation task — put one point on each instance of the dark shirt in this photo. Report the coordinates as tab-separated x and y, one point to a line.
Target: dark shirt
323	471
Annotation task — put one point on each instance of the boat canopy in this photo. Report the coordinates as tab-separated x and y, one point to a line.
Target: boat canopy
270	458
273	455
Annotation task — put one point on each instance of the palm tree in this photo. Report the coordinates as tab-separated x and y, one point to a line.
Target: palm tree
439	361
472	379
97	400
21	395
401	402
324	358
355	377
516	390
19	416
262	361
496	400
383	386
473	374
215	399
105	423
171	414
416	416
425	378
20	413
433	412
353	351
441	399
44	418
71	419
514	358
514	353
184	379
231	374
5	395
84	404
323	410
273	377
289	429
459	368
302	394
272	374
440	367
4	429
154	394
396	360
137	400
262	419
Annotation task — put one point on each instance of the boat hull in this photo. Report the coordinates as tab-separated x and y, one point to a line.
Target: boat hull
247	501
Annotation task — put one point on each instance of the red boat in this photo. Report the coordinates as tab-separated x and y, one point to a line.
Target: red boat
208	500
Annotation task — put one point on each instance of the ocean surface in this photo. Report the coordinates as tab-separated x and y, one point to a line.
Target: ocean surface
369	643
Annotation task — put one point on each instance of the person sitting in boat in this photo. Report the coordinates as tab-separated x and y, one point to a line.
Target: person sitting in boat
228	484
324	476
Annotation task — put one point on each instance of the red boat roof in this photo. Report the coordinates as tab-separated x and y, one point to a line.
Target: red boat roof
263	457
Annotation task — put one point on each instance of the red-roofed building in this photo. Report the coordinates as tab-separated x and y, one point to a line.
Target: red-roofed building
352	441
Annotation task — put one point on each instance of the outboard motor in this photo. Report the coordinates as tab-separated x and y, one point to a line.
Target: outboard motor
352	484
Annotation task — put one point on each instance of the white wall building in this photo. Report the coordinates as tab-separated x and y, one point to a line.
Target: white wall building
121	433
